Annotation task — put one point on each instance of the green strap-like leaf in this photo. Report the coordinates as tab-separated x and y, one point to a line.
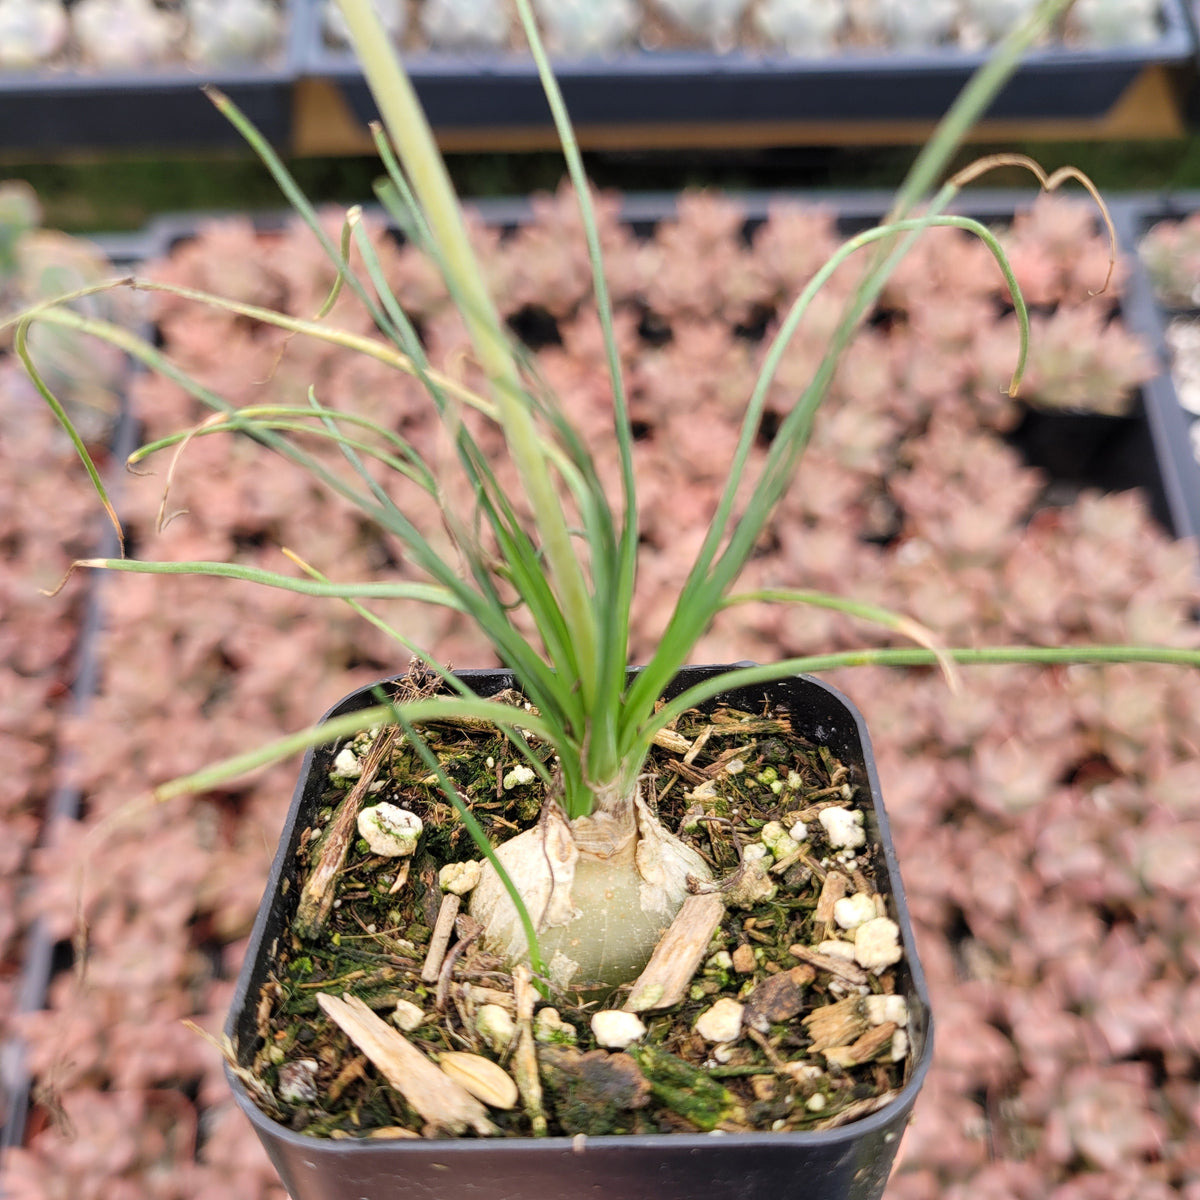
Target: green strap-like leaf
503	716
21	344
913	657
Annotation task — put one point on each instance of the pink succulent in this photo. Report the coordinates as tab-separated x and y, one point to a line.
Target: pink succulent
1105	1116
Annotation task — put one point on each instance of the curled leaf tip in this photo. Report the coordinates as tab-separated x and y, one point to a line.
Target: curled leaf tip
62	583
1049	182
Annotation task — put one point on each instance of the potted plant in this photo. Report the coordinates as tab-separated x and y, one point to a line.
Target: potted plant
582	723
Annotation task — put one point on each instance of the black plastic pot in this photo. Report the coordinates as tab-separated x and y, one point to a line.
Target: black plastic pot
849	1163
1078	449
492	90
155	107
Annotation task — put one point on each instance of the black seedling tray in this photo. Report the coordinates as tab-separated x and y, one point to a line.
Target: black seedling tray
41	957
155	108
1135	215
640	88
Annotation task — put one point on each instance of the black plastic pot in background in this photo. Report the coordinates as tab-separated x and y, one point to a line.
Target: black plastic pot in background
1079	450
155	107
492	90
1171	425
848	1163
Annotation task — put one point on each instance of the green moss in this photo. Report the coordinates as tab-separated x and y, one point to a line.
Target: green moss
686	1090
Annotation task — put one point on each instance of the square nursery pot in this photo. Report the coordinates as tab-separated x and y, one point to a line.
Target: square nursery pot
850	1162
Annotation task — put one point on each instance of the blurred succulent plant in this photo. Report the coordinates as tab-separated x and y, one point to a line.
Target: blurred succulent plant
31	32
1171	254
990	20
1183	340
906	25
1077	361
38	263
587	26
225	32
124	33
465	24
801	26
19	213
1057	252
392	14
1115	22
712	21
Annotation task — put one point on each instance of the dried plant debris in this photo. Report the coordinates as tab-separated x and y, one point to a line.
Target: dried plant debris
742	1040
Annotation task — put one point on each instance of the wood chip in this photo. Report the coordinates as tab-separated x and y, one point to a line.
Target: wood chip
439	942
478	995
668	739
356	1068
524	1053
778	998
484	1079
843	968
864	1049
442	1104
679	952
401	876
789	860
316	897
721	767
836	1024
834	888
860	1108
698	745
689	774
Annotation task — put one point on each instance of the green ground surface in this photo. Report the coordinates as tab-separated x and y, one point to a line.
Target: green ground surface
122	193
